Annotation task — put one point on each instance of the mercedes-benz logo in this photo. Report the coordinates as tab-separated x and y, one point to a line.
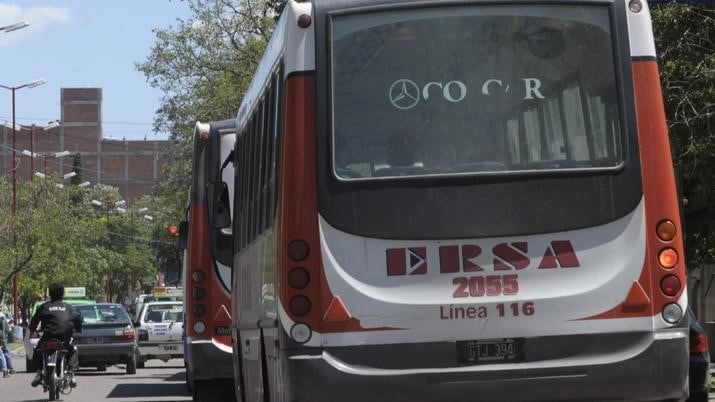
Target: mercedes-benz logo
404	94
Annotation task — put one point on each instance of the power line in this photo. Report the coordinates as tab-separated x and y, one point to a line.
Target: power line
103	173
142	239
126	123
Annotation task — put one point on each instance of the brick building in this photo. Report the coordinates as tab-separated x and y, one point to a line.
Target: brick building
134	167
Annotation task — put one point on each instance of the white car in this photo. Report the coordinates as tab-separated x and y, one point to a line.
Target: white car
159	329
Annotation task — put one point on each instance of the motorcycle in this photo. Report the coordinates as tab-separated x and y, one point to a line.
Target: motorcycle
56	372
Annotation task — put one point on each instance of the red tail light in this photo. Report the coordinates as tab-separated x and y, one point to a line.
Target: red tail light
129	334
670	285
699	343
300	305
52	344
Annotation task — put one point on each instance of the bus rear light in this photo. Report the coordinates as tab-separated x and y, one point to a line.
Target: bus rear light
668	258
198	276
301	333
304	21
199	310
298	250
298	278
670	285
199	327
198	294
672	313
635	5
699	343
204	135
299	305
666	230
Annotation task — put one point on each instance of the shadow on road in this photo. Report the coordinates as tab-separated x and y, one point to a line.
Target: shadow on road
147	390
180	376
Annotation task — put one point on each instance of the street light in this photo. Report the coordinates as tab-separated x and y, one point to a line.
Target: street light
44	156
141	210
28	85
15	26
31	153
84	184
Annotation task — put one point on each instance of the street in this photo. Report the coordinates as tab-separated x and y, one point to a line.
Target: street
158	382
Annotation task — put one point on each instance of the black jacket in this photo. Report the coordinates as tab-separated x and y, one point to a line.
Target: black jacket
58	319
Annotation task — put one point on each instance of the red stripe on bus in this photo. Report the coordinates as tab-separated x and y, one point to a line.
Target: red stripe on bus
200	259
396	262
659	194
298	207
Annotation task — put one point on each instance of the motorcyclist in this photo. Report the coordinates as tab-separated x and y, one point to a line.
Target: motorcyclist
58	320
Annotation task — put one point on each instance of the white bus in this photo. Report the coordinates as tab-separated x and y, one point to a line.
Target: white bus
208	265
457	201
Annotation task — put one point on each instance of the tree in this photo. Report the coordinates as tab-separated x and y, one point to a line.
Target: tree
61	237
685	39
205	63
203	66
77	169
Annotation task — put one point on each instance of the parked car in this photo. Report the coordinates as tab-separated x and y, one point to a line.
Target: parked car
159	331
30	339
699	361
108	337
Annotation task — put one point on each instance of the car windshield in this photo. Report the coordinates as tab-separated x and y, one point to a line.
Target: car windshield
164	313
103	314
479	89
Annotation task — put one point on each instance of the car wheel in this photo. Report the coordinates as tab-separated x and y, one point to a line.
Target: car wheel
29	367
102	367
132	364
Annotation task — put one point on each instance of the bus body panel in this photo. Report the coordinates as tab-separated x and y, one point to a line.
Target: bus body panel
655	373
436	297
640	33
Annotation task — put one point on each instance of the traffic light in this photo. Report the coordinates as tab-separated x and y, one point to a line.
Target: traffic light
173	231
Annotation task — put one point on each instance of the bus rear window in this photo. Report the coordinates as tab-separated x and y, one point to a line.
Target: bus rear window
473	90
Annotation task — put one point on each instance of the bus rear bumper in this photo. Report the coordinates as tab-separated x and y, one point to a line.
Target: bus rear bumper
205	361
657	372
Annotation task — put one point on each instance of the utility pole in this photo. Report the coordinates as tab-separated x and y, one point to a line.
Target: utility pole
15	278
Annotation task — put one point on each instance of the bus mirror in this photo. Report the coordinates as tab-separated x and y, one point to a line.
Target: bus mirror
183	234
218	205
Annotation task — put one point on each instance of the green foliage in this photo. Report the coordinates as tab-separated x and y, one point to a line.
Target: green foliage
61	237
203	65
77	169
685	41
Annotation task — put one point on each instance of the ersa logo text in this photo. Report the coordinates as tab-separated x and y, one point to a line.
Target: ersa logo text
514	256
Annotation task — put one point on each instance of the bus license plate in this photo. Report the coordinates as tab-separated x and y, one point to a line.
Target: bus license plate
493	350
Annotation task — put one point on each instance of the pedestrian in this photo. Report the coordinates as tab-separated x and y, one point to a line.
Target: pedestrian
6	358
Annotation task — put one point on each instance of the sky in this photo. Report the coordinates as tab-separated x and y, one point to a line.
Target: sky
84	43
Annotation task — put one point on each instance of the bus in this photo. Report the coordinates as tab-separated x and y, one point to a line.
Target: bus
207	267
457	201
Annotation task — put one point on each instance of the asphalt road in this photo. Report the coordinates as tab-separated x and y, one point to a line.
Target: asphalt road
158	382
